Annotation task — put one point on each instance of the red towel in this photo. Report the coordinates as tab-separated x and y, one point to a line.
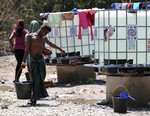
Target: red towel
91	16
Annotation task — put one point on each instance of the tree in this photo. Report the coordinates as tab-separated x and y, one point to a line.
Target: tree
11	10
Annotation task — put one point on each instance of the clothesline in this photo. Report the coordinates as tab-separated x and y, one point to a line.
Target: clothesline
86	19
130	5
74	11
77	10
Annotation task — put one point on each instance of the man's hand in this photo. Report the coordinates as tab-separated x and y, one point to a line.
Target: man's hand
23	65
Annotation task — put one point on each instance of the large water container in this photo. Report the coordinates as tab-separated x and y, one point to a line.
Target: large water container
117	46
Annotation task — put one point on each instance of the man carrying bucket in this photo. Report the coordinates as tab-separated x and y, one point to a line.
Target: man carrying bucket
37	63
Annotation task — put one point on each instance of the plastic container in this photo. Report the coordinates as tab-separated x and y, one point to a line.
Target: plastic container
23	89
120	102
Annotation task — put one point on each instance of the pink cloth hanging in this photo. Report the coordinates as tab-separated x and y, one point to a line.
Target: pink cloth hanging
91	15
85	21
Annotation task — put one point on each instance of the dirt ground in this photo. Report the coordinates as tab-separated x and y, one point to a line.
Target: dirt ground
64	99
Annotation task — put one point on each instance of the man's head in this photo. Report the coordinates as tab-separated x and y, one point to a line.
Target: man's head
45	29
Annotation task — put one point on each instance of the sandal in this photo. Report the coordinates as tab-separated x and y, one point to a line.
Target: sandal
15	81
32	102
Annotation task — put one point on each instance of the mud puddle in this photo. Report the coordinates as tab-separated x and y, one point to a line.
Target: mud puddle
80	101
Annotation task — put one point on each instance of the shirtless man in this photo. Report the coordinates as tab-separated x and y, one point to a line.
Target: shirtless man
37	63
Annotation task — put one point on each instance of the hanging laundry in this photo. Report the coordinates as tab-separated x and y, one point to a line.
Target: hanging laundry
75	10
67	16
85	21
141	4
130	6
118	6
44	16
108	32
91	16
124	5
148	6
54	18
136	5
113	5
144	5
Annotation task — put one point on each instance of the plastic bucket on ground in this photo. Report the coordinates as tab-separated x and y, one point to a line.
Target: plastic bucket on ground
119	104
23	89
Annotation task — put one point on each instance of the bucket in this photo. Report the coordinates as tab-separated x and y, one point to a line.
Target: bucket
120	103
23	89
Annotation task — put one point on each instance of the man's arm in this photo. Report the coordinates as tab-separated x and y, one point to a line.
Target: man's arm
54	46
